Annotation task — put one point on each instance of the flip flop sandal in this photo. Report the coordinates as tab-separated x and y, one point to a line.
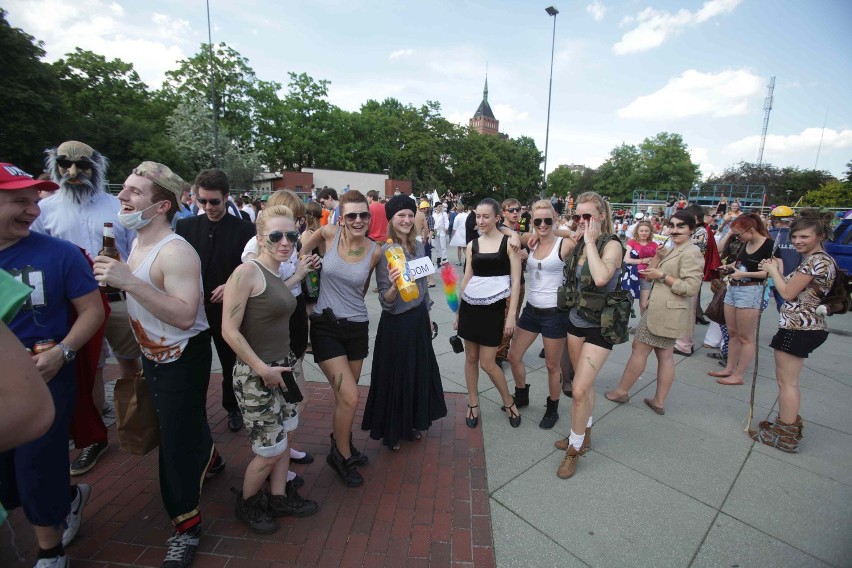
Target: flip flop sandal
716	356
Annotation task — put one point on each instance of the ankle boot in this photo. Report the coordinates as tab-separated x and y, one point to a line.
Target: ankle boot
360	459
551	415
252	511
290	505
345	468
522	396
587	442
780	435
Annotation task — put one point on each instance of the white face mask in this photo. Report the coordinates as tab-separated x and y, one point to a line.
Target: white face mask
134	221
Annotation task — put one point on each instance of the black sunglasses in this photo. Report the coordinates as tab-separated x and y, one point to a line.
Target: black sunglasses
363	215
547	221
584	216
276	236
513	209
214	202
81	164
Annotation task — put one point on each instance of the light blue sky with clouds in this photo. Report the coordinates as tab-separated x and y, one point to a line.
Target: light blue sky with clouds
624	70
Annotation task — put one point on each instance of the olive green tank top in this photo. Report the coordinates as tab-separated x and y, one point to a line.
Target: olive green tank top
266	319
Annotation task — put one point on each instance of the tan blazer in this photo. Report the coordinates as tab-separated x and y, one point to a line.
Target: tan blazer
670	307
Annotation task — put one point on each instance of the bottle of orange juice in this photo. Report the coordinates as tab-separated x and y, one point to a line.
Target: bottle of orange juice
396	258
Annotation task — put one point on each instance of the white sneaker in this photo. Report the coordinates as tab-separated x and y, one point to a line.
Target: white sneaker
75	517
55	562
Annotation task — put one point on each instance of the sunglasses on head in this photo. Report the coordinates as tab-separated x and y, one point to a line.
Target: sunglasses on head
214	202
276	236
81	164
363	215
513	209
584	216
546	220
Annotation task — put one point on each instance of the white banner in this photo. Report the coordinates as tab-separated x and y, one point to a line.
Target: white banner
420	267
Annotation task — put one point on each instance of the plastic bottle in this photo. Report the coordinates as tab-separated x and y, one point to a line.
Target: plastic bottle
396	258
109	249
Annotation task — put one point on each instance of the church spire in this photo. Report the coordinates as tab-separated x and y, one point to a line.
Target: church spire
485	90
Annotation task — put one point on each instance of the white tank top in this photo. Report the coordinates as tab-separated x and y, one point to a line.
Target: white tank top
159	341
544	277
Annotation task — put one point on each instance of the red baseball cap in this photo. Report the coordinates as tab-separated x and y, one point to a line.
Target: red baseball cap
13	177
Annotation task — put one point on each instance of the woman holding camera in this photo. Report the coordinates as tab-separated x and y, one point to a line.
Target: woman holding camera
257	305
744	296
339	324
675	275
406	395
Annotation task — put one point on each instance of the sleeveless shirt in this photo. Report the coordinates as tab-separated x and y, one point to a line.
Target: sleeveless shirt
491	280
342	283
266	320
159	341
544	277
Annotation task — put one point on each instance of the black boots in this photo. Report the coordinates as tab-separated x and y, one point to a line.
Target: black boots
551	415
522	396
360	459
252	511
345	467
290	505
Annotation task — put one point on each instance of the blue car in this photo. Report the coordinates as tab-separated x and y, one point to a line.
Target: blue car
841	248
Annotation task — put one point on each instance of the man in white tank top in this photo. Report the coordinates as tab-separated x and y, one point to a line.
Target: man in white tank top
162	279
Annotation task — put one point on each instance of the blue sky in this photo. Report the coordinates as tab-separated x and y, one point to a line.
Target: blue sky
624	70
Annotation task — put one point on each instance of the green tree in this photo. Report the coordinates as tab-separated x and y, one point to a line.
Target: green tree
799	182
109	107
665	165
563	181
618	175
848	173
833	193
34	116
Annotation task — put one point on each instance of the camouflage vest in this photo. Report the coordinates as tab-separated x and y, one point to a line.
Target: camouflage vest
609	309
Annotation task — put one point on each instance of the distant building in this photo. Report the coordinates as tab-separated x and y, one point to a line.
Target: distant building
483	120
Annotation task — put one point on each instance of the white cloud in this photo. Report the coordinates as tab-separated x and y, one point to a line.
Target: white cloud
807	140
597	10
653	27
401	53
152	43
727	93
505	113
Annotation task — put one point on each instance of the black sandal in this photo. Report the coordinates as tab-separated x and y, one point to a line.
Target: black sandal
514	417
470	419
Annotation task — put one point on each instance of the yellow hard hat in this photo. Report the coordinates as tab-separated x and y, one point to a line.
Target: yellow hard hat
424	205
782	211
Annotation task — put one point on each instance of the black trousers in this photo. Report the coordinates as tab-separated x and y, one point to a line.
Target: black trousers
179	391
226	356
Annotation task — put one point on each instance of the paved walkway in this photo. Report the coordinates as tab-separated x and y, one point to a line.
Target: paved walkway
685	489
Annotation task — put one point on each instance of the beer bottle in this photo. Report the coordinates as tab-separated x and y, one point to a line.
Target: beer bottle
110	251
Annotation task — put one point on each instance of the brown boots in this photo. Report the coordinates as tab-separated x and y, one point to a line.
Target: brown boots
785	437
587	442
569	463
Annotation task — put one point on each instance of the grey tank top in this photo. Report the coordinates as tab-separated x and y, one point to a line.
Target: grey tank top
266	319
342	283
613	283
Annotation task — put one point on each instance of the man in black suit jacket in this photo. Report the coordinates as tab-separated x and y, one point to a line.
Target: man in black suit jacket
219	239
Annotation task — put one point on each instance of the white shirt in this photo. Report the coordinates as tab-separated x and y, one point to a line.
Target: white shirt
83	224
442	222
250	210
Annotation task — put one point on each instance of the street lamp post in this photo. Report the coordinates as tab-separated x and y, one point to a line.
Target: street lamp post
551	11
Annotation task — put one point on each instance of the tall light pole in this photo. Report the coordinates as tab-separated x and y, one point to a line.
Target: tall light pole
551	11
212	91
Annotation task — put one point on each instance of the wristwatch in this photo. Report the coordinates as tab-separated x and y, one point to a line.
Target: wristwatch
68	354
662	277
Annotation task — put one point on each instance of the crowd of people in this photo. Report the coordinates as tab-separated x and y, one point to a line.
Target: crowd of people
270	284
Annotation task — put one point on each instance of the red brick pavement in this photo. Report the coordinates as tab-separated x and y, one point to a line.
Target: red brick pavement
426	505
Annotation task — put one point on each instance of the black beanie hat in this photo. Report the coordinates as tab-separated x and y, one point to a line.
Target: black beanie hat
397	203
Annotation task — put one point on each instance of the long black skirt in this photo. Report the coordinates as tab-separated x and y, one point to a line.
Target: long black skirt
405	388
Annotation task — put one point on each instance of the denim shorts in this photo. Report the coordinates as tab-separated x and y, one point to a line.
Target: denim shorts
549	322
645	284
744	297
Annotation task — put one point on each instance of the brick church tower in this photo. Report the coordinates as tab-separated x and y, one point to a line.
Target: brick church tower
483	120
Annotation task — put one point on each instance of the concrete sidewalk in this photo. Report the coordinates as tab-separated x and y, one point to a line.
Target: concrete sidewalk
686	489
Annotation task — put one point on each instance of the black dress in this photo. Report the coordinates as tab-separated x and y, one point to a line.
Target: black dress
483	323
405	388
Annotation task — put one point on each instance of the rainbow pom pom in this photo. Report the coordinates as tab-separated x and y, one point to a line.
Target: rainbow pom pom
451	286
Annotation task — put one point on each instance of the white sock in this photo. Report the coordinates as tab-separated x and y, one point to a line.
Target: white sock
296	454
290	475
589	423
576	440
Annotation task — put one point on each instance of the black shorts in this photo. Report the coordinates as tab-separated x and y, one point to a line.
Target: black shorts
335	338
798	342
590	334
299	328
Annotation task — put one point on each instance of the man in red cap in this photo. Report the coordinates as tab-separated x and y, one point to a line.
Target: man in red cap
36	475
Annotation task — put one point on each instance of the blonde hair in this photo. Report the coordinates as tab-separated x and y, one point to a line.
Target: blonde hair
271	212
644	223
543	204
288	199
408	241
602	206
